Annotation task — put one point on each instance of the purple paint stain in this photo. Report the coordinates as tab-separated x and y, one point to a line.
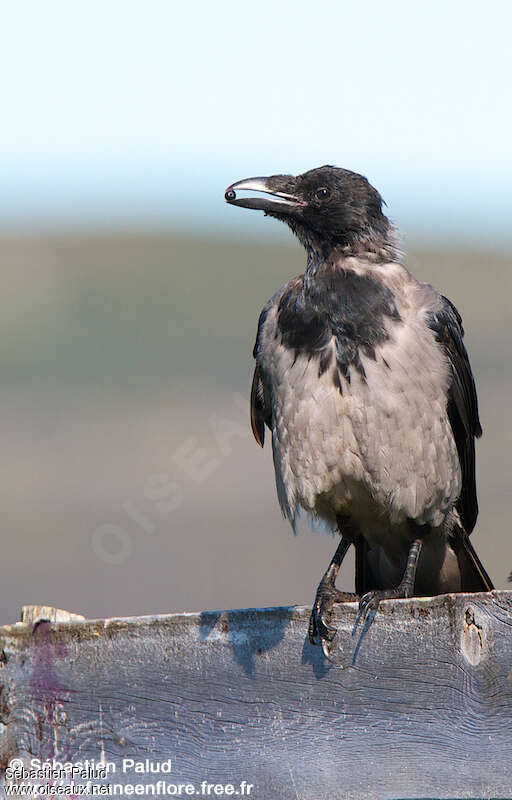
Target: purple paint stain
47	690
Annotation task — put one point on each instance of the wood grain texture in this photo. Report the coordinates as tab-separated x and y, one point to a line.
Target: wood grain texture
416	703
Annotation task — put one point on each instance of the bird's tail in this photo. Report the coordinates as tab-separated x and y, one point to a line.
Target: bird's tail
473	576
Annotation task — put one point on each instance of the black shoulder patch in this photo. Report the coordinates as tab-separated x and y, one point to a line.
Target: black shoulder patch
340	305
261	322
303	327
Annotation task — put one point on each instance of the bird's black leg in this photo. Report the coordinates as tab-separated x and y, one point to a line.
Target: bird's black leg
327	595
370	601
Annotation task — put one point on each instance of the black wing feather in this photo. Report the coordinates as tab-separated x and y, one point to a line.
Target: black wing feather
260	412
259	415
462	404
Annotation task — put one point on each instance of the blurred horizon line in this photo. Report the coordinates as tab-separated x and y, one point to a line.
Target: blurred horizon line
241	235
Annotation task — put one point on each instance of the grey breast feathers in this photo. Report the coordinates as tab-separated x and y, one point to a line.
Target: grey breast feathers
366	387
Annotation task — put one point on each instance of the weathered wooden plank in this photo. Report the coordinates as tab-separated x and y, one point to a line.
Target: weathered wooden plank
33	614
416	703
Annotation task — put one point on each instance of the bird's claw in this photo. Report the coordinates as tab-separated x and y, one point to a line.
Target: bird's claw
319	627
327	595
371	600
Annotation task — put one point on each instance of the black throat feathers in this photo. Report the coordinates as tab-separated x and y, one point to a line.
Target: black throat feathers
332	305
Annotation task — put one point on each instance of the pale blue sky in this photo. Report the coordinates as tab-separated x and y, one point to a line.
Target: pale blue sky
120	113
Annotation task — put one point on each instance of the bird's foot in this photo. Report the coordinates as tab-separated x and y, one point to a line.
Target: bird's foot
371	600
327	596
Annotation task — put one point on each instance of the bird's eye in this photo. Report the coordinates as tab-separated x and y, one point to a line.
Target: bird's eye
323	193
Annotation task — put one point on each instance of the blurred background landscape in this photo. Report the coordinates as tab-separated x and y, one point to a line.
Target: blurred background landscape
131	483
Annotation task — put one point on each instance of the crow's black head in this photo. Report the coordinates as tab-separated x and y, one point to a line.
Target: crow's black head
326	205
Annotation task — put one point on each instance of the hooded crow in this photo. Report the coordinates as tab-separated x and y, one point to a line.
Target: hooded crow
363	379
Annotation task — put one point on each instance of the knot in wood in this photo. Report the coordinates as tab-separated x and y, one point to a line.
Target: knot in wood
472	638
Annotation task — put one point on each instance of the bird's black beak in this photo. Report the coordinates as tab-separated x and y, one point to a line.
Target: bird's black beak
280	188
